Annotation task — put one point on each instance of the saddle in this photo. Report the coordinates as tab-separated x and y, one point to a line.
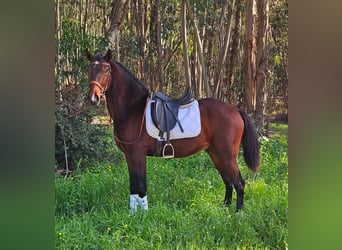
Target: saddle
164	112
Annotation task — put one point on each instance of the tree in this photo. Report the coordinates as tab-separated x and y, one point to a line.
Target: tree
256	55
233	50
199	49
278	57
159	46
261	62
224	45
116	17
185	45
250	56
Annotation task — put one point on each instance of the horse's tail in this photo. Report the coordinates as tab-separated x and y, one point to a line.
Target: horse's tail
250	143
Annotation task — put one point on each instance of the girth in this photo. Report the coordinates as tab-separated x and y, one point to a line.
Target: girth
164	112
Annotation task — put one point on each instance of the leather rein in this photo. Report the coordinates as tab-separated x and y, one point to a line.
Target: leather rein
141	128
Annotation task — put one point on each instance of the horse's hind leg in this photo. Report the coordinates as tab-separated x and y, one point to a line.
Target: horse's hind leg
240	190
229	193
231	176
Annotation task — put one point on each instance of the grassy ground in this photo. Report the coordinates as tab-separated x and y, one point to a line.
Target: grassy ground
185	205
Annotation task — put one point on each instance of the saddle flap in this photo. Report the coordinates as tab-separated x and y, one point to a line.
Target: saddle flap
164	115
188	116
164	110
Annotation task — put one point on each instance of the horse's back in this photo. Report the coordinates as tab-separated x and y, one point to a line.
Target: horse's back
221	128
219	111
220	120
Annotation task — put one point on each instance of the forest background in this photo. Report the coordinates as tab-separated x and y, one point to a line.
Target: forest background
236	51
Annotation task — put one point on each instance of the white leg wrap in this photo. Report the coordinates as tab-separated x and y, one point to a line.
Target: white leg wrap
135	201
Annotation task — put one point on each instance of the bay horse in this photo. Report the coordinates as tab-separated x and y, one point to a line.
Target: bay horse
224	127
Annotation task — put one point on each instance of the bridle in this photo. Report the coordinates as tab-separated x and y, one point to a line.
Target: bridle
102	87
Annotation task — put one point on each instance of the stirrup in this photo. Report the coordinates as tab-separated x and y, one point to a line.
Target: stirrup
173	151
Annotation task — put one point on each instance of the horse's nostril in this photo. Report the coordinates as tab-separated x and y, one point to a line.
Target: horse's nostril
94	99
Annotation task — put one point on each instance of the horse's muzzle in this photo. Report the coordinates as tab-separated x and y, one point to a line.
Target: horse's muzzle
94	99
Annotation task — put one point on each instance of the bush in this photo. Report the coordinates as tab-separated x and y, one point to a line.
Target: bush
78	142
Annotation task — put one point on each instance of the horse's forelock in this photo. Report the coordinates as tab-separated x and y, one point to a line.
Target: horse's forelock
98	57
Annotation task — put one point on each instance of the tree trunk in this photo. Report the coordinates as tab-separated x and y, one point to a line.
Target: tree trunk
201	62
223	52
234	46
58	57
262	62
250	53
185	45
159	46
142	40
117	16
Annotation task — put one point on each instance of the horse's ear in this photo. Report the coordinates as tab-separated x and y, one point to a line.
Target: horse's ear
87	54
109	55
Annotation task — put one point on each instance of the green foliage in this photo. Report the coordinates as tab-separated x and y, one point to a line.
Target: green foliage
82	24
278	51
185	205
77	141
84	142
76	138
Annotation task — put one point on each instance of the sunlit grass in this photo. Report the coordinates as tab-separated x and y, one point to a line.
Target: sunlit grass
185	205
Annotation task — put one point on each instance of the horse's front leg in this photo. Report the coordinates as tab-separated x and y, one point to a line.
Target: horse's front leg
137	181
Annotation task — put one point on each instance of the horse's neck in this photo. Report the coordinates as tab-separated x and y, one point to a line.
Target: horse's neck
123	97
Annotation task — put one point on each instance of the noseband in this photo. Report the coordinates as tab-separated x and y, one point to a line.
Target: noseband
103	87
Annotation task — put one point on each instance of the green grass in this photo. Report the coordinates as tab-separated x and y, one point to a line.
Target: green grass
185	205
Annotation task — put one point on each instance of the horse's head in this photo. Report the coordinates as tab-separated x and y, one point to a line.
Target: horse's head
99	75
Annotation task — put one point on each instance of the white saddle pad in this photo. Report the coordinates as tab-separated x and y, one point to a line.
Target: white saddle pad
189	117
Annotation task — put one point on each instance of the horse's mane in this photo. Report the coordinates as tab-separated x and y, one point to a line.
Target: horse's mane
135	81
